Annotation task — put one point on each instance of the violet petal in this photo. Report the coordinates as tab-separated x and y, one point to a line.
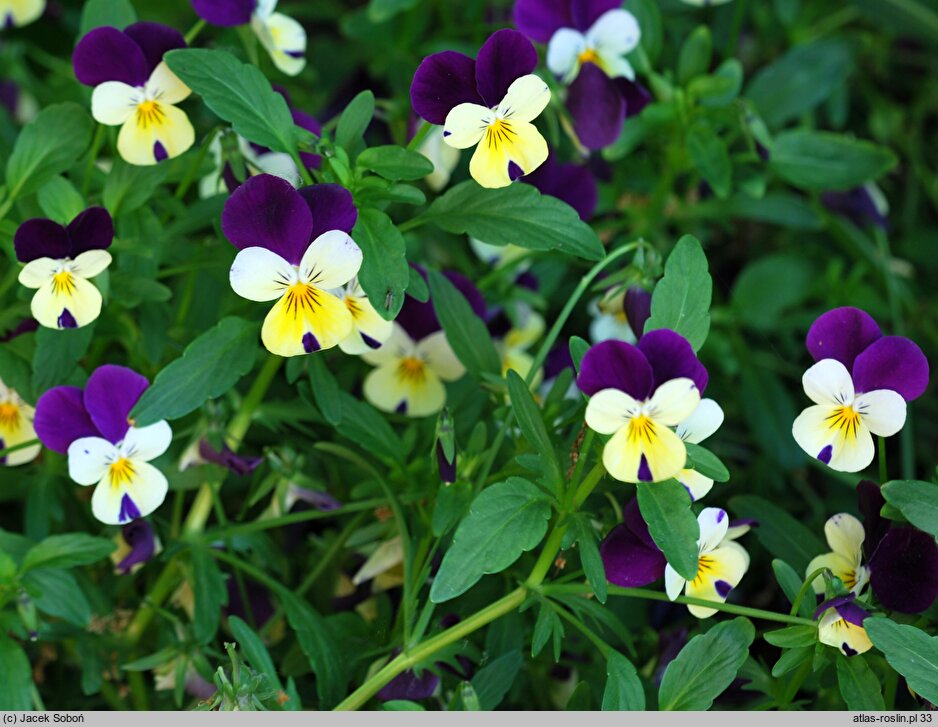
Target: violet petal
107	54
616	365
637	306
842	334
155	40
503	58
540	19
892	362
628	561
92	229
61	418
39	237
904	570
225	13
672	357
597	107
332	208
443	81
110	394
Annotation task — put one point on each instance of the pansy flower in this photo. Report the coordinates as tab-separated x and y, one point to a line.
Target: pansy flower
136	90
282	37
16	427
841	625
488	103
136	544
721	563
17	13
702	423
587	41
620	315
864	206
845	536
860	385
104	449
60	261
637	394
294	248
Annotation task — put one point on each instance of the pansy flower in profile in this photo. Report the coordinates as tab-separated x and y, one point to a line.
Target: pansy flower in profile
137	543
637	394
16	427
620	314
705	420
859	385
864	206
369	329
841	625
17	13
294	249
845	536
721	563
282	37
104	448
487	103
59	261
136	90
587	41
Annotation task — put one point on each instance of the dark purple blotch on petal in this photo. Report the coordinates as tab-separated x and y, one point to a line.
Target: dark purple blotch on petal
723	588
443	81
129	510
505	57
310	343
110	394
644	471
234	462
904	570
570	183
107	54
66	319
637	305
225	13
892	362
141	538
331	207
402	407
671	357
514	171
825	454
155	40
61	418
616	365
596	106
369	341
159	152
842	334
848	650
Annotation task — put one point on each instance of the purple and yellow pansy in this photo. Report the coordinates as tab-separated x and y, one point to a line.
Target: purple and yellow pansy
59	262
136	90
840	624
104	448
16	427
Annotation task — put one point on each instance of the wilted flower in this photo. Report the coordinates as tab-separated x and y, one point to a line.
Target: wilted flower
16	427
721	563
59	262
860	387
17	13
488	103
92	427
841	625
136	90
136	544
282	37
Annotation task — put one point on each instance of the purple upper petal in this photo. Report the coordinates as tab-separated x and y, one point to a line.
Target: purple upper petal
155	40
597	107
892	362
141	538
540	19
857	205
616	365
107	54
628	560
419	319
845	606
570	183
226	13
586	12
875	526
842	334
504	57
110	394
672	357
904	570
441	82
61	418
332	208
637	309
632	517
267	212
40	237
305	121
92	229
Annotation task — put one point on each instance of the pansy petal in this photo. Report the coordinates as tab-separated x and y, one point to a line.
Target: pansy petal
128	501
370	329
113	102
504	57
844	568
842	334
893	363
883	411
38	272
331	260
440	357
92	229
905	570
596	106
260	275
503	157
713	523
285	41
672	357
615	365
828	383
609	410
585	13
88	459
61	418
673	582
570	183
628	561
836	631
395	388
844	533
40	238
165	86
466	124
267	212
398	345
719	571
306	319
106	54
702	423
442	82
155	40
224	13
164	133
18	13
674	401
610	328
840	441
653	454
563	53
526	98
91	263
71	303
696	484
614	33
638	311
110	394
332	208
147	443
540	19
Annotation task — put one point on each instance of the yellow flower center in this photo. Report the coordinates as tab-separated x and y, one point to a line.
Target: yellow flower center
846	420
588	56
412	370
353	306
63	283
121	472
498	132
641	428
704	566
9	416
301	297
149	112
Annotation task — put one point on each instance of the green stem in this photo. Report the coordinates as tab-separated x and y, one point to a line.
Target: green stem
194	31
301	167
16	447
420	135
803	591
882	460
548	554
161	590
601	645
92	158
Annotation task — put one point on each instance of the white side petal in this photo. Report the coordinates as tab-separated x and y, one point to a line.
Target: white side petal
331	260
113	102
280	165
882	411
38	272
525	99
713	522
695	483
440	357
88	459
845	535
259	274
706	419
399	345
563	53
147	443
828	382
674	401
614	33
465	124
165	86
91	263
673	583
609	410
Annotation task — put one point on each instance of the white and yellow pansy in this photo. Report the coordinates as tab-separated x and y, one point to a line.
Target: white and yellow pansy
64	296
841	626
16	428
369	329
605	44
282	37
845	536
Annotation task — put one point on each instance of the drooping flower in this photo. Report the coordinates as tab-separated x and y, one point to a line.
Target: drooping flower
136	544
294	248
860	385
16	427
282	37
136	90
845	536
444	157
17	13
841	625
703	422
92	427
587	41
864	206
721	564
637	393
488	103
620	315
59	263
239	464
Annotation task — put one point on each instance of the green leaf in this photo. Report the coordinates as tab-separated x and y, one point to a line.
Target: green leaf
57	593
791	659
465	331
623	692
67	551
531	421
59	200
548	626
384	274
819	160
694	58
320	647
210	366
710	156
706	463
517	215
354	120
782	535
96	13
15	373
505	520
416	286
401	705
57	355
492	682
452	503
16	676
910	651
706	666
792	636
380	11
665	506
859	686
128	186
585	536
790	583
47	145
209	593
805	76
681	299
254	651
578	348
770	286
719	88
649	19
326	391
395	163
240	94
916	500
362	424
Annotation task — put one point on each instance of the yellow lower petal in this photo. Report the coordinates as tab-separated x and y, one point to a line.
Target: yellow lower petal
406	387
304	320
718	572
155	131
644	451
66	301
16	427
505	142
